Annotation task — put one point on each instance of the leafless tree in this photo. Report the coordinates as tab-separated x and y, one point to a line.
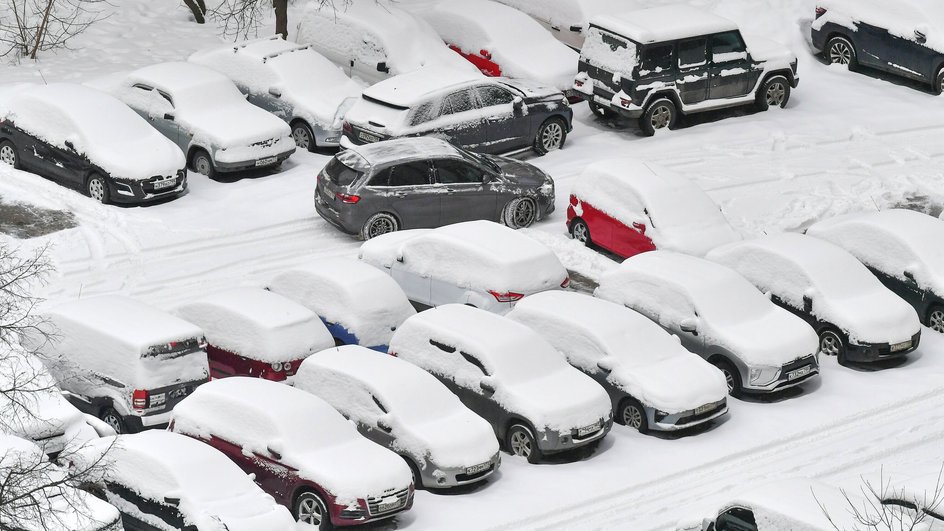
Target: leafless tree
28	27
884	507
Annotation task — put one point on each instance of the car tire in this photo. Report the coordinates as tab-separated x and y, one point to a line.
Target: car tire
112	418
938	86
551	136
936	318
775	92
633	415
202	163
832	344
841	51
602	111
520	212
96	187
378	224
310	509
522	442
731	376
660	114
415	470
8	154
303	136
580	232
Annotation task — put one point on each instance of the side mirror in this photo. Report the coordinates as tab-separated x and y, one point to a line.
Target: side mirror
487	385
252	476
689	325
70	145
769	295
383	424
382	67
606	364
275	450
174	501
807	303
921	33
641	227
169	116
576	29
275	92
910	275
400	258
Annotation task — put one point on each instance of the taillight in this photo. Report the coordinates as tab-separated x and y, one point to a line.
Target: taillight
139	399
346	127
345	198
485	54
820	11
566	282
625	102
394	354
508	296
578	83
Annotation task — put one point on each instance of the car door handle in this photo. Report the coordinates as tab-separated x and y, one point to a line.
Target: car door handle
450	191
399	194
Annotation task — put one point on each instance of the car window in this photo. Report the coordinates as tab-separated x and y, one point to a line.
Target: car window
474	361
458	102
409	174
727	46
339	173
657	58
458	172
424	113
736	519
692	53
379	404
370	50
492	95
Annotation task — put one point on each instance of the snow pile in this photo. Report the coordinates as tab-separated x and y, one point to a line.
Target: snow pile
107	132
901	19
530	377
842	290
669	287
398	149
565	14
664	23
308	433
110	335
314	87
475	254
678	215
427	420
613	55
892	241
517	43
644	360
355	295
258	324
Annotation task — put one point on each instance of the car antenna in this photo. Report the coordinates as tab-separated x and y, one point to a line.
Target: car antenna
877	209
42	76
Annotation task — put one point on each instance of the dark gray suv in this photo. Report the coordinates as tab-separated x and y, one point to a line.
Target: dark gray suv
414	183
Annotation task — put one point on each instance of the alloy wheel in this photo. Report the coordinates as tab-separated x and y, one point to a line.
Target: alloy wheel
301	137
202	165
776	93
523	214
936	321
840	53
113	421
96	189
829	344
728	379
632	417
309	511
552	136
8	155
380	226
580	232
661	117
520	444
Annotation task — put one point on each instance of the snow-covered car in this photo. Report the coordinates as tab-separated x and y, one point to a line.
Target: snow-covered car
788	504
357	303
719	315
402	407
371	41
567	20
628	207
501	41
900	248
506	373
121	360
478	263
89	141
302	451
50	501
166	481
905	38
254	332
291	81
205	114
412	183
32	405
485	115
659	63
855	316
654	383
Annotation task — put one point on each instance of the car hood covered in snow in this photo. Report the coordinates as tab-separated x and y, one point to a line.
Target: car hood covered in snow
771	339
560	401
764	49
459	440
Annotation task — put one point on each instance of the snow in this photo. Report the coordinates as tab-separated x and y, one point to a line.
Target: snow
530	377
313	86
565	14
110	335
665	23
99	127
842	290
325	448
407	90
679	216
901	20
156	464
732	312
892	241
517	43
475	254
258	324
598	50
427	419
644	360
400	149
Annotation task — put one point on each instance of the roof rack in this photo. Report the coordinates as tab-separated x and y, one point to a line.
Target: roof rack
276	54
244	44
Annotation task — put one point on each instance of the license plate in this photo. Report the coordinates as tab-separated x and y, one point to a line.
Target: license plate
477	468
160	185
588	429
389	506
799	373
266	161
704	409
898	347
367	137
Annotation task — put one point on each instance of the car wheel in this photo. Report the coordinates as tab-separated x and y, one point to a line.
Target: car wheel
731	376
203	164
775	92
8	154
304	138
602	111
936	319
831	344
415	470
520	212
661	114
521	442
633	415
580	231
551	136
112	418
97	188
840	51
380	223
310	509
938	86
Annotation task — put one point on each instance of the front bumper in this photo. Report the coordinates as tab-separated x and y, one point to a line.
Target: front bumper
870	352
784	379
433	477
253	163
685	419
129	191
551	442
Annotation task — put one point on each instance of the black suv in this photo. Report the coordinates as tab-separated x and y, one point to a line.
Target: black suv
896	37
654	64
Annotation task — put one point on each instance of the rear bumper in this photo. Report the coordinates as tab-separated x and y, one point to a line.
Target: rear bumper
335	218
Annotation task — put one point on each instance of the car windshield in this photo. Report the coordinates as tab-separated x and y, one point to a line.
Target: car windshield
216	94
730	301
482	160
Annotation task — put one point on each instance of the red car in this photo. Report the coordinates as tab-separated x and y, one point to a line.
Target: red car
629	207
254	332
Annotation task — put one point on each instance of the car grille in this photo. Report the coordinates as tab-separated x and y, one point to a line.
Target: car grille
373	503
796	364
469	477
150	188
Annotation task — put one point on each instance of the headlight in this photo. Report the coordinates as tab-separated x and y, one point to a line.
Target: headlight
764	375
547	189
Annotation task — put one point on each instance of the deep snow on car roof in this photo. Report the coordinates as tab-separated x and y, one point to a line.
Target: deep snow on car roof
406	90
178	76
399	150
665	23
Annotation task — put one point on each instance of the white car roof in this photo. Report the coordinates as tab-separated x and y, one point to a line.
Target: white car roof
406	90
177	76
664	23
697	277
401	150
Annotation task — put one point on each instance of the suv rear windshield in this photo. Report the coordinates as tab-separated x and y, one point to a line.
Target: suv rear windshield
340	174
609	51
